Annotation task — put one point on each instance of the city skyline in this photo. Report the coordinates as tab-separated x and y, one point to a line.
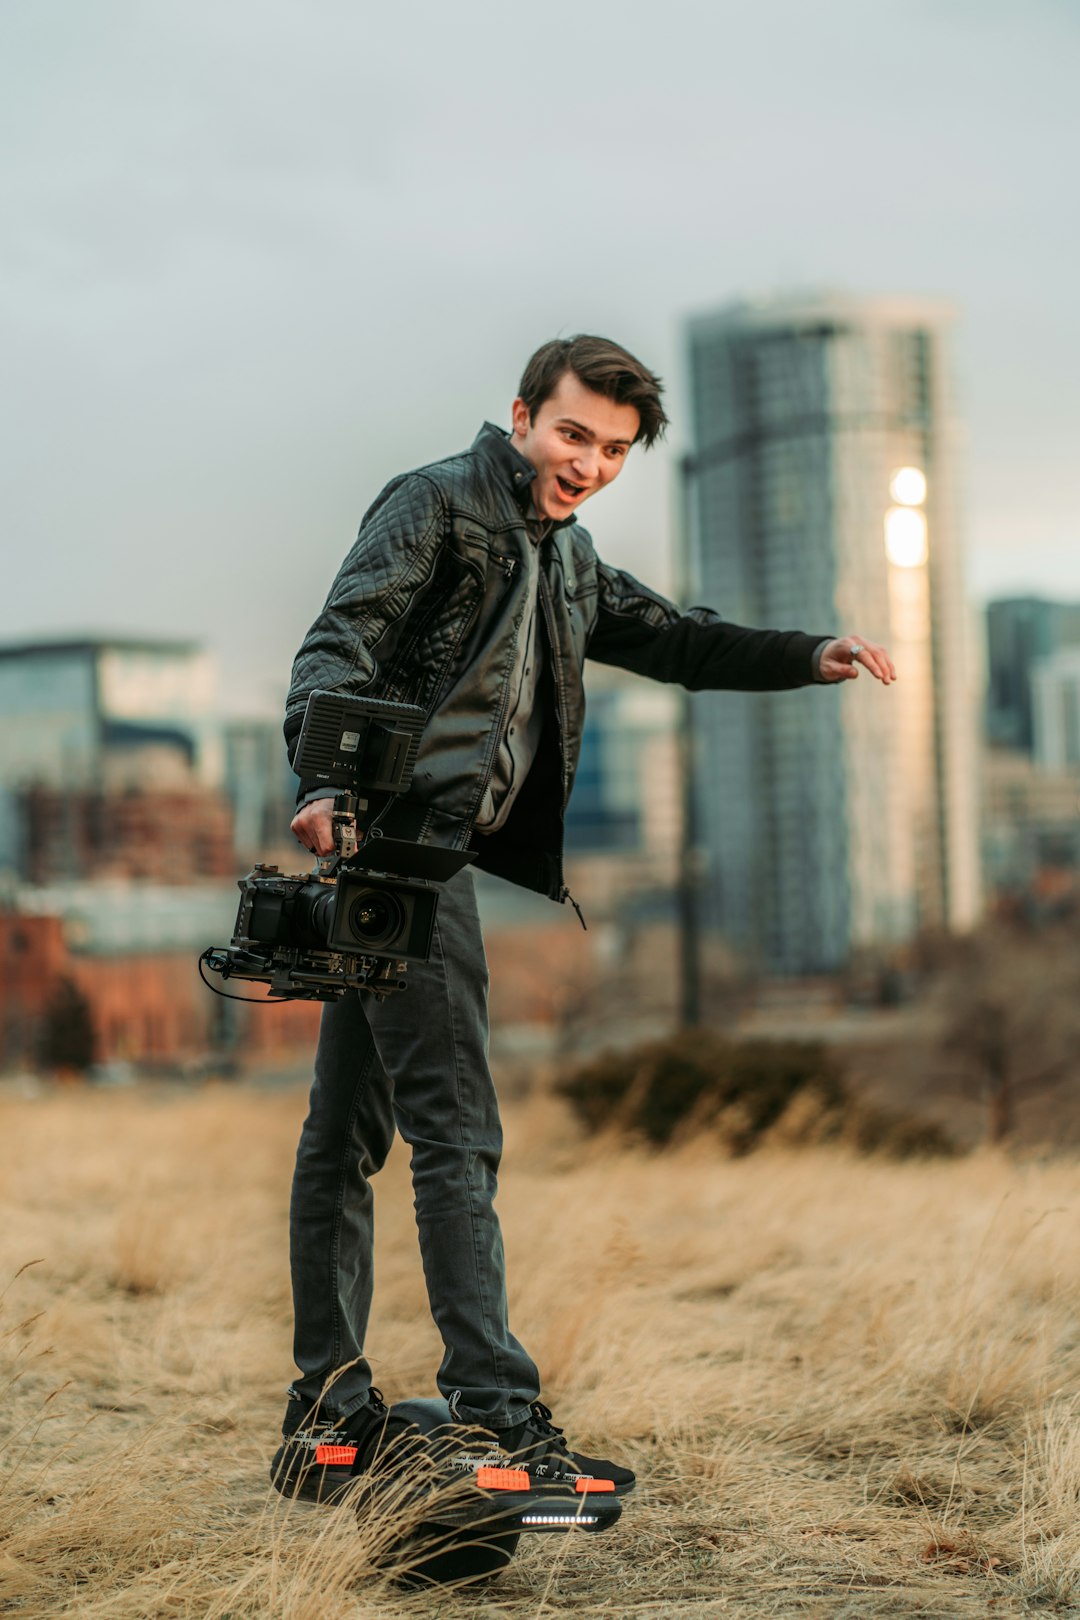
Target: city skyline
256	268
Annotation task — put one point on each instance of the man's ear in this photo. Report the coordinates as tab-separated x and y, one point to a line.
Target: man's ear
519	416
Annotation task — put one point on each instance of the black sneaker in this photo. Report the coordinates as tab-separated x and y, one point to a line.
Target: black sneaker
319	1455
537	1446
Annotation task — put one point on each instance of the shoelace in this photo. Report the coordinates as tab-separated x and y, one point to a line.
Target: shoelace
541	1415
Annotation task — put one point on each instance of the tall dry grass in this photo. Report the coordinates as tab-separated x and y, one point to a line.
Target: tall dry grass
850	1388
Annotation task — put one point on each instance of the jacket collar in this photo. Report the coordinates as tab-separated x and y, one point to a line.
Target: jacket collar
492	444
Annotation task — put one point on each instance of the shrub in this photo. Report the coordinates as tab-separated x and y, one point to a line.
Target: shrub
739	1091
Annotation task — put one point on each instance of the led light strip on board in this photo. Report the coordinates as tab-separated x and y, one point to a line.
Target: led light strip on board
570	1519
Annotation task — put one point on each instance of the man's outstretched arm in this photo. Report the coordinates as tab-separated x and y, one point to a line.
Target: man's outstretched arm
639	630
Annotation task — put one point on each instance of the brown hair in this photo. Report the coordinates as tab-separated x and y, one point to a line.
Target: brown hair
605	368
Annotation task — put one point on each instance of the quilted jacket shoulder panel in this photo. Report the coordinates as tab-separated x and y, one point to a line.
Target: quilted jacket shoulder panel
394	551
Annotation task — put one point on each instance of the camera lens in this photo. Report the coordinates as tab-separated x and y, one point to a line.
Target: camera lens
376	919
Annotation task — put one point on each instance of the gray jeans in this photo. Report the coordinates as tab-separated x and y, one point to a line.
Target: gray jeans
417	1060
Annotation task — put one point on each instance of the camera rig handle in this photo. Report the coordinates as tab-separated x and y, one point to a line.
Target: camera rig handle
346	840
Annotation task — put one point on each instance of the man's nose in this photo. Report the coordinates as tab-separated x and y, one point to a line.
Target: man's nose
586	463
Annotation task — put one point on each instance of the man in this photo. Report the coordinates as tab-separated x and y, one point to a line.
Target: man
473	591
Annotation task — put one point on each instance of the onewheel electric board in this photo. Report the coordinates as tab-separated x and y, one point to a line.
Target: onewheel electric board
474	1534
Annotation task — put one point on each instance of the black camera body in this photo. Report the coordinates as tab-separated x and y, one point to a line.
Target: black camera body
369	909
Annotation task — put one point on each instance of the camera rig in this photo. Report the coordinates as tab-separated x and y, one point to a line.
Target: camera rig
367	910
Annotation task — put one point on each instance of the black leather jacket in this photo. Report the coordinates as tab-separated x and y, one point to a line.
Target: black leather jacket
427	607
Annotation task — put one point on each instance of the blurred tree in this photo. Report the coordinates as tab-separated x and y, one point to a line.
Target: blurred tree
67	1030
1012	1019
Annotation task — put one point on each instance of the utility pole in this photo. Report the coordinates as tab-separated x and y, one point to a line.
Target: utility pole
690	863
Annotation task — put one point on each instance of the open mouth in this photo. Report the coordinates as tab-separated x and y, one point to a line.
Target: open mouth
567	490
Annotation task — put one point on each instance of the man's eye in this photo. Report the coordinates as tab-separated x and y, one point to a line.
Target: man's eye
568	433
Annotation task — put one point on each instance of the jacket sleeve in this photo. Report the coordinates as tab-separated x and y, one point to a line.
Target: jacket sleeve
638	630
394	554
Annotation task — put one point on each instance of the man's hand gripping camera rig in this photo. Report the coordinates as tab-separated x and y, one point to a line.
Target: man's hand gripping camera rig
367	910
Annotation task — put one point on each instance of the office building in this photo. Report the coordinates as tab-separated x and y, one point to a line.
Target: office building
111	761
1030	823
625	799
1021	632
1055	706
111	712
261	788
821	494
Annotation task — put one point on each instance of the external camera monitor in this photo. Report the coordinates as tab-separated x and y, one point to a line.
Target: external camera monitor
364	743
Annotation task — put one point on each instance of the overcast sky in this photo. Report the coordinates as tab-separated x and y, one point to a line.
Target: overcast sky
260	255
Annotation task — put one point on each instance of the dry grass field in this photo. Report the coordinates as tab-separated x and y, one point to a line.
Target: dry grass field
850	1388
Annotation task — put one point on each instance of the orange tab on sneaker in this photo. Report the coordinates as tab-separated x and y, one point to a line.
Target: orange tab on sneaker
503	1479
586	1484
326	1455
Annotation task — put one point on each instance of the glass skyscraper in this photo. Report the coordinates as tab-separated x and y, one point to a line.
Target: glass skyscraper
821	496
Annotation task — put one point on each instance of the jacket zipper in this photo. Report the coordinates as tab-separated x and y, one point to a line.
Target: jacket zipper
560	722
560	688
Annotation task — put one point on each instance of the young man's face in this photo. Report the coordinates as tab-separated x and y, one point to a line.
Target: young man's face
577	441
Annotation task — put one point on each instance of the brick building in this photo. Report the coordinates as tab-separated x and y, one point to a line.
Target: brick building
133	961
163	835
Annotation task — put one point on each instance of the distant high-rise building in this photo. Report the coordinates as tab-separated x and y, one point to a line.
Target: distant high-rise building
821	495
1055	701
85	721
1031	822
626	791
112	712
1021	632
260	785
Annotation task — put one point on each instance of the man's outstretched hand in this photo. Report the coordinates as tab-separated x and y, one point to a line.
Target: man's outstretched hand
840	660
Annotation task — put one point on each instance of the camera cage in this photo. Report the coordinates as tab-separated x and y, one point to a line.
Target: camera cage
355	746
